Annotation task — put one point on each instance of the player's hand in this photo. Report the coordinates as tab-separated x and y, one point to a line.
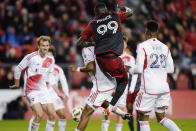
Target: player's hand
73	68
127	68
62	96
122	8
13	86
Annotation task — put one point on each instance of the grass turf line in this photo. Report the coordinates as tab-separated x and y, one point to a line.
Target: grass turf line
93	125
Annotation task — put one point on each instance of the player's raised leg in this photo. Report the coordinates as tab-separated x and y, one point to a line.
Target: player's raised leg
166	122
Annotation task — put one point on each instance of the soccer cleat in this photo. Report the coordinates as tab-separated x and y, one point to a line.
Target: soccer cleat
106	112
126	116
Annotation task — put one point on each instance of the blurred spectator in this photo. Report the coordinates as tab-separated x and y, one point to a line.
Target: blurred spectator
22	21
10	37
15	109
8	80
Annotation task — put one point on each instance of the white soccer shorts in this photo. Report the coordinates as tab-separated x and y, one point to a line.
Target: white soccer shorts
146	103
96	98
122	100
42	97
58	103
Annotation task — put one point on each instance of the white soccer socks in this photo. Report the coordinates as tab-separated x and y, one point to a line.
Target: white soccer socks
144	126
77	129
105	125
34	126
62	124
169	124
30	123
50	125
119	126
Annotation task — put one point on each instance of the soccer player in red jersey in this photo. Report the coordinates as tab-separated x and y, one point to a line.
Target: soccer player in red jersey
106	31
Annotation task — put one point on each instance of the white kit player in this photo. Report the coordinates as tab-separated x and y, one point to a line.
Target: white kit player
58	97
153	62
103	87
38	66
57	76
121	104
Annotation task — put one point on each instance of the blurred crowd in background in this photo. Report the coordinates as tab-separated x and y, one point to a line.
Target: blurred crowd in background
22	21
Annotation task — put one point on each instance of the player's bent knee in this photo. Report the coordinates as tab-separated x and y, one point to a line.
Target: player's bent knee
52	115
160	117
88	110
61	113
38	116
62	116
144	116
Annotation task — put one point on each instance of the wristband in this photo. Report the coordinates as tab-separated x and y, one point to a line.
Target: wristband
78	69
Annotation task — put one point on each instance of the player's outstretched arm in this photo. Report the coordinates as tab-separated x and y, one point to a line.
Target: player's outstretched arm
90	67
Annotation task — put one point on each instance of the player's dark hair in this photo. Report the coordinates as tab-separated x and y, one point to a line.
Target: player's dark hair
152	26
99	6
52	49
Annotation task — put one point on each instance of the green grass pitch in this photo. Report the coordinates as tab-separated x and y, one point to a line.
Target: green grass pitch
93	125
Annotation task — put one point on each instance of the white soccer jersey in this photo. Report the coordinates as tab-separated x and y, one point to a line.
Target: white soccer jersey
153	61
58	75
130	61
101	83
37	70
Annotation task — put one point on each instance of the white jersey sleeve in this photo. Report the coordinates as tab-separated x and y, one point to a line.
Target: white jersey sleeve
88	54
138	68
51	68
63	82
20	67
169	63
134	76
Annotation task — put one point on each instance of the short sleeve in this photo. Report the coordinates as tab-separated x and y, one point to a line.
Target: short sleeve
87	32
24	63
88	55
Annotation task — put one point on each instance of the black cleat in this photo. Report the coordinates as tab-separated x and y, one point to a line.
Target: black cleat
126	116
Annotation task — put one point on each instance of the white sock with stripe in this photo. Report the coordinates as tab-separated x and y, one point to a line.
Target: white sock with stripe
62	123
34	126
105	125
169	124
119	126
50	125
30	123
144	126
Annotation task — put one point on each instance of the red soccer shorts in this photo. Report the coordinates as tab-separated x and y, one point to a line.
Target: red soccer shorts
131	97
114	66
